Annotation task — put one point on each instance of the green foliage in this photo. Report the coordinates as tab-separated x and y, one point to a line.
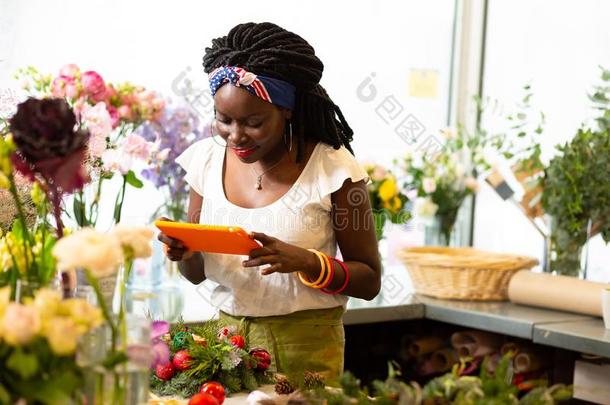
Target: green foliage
451	388
576	191
35	373
577	187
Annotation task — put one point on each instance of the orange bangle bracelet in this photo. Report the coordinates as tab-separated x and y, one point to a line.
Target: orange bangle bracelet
323	270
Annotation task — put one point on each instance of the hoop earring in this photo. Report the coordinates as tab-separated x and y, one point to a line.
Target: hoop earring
290	135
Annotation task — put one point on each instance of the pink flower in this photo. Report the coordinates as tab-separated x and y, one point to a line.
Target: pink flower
79	106
97	146
114	116
20	324
116	160
125	112
111	92
93	85
70	70
58	86
97	119
136	146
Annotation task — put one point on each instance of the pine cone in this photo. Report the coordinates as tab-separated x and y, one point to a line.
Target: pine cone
283	386
313	380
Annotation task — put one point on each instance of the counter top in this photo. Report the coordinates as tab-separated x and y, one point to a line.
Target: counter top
398	301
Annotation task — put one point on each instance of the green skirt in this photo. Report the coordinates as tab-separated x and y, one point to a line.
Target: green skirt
311	340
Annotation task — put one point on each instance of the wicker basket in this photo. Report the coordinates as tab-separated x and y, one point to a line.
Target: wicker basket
462	273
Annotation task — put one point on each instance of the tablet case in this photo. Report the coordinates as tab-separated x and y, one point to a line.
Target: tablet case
210	238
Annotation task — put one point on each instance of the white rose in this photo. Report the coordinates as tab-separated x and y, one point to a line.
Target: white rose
100	253
20	324
425	207
429	185
137	238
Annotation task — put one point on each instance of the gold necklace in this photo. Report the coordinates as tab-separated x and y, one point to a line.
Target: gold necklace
259	178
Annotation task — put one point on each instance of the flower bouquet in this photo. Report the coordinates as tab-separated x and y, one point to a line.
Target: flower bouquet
210	352
41	150
110	112
38	340
440	183
387	201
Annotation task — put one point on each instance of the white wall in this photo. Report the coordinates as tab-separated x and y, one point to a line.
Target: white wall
557	47
151	43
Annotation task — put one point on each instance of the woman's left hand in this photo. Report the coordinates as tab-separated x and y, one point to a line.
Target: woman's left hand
281	256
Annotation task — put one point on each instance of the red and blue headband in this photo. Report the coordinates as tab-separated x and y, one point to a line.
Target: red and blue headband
272	90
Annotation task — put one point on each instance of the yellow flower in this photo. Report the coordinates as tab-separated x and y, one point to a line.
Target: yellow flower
84	315
62	335
396	204
388	189
47	302
4	182
37	195
12	247
5	296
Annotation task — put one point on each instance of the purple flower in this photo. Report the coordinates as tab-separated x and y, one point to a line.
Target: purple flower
176	130
160	350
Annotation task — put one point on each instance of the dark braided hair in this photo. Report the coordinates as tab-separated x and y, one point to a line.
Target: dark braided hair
270	50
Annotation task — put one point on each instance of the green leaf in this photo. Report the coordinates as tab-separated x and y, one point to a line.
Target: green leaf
114	359
5	398
57	389
80	213
24	364
132	180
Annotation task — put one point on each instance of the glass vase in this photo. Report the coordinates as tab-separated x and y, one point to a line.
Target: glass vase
154	290
569	251
442	231
126	382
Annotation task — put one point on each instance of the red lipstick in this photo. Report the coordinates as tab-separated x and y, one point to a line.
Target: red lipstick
244	153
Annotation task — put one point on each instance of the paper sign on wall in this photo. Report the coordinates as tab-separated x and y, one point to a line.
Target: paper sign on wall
423	83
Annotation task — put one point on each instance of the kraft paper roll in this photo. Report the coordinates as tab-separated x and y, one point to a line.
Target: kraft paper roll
556	292
425	345
475	343
442	360
526	362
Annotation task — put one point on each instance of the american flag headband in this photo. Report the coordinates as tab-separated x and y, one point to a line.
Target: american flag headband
272	90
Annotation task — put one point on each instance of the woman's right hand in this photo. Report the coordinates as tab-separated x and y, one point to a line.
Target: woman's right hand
174	249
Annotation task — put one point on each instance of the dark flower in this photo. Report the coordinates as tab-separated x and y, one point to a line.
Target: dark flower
49	143
45	129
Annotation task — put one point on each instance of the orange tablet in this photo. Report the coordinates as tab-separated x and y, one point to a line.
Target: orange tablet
210	238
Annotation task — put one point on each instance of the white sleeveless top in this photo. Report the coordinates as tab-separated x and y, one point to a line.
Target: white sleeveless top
301	217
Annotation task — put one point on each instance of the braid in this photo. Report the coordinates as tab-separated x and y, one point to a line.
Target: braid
270	50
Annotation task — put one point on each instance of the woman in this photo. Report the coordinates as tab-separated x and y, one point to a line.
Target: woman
280	165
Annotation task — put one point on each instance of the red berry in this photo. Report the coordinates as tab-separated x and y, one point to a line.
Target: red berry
214	389
182	360
203	399
165	371
262	357
238	341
